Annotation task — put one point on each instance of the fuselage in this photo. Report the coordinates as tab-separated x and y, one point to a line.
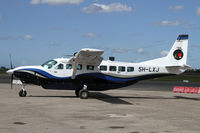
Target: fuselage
57	74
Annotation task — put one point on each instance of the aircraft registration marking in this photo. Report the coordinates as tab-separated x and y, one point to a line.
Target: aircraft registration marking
148	69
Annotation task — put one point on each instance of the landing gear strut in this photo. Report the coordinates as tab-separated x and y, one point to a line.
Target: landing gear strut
77	93
83	93
22	92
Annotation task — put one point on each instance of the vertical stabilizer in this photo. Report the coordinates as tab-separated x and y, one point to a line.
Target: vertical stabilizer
177	56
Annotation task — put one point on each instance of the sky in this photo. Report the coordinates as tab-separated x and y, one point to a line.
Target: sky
34	31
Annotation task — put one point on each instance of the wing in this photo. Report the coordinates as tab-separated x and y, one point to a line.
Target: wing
86	56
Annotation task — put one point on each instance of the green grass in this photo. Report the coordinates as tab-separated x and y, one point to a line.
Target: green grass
191	77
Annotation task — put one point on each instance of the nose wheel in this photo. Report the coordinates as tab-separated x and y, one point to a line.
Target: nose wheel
22	92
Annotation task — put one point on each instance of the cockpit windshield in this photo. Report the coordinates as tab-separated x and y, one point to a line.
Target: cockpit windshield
49	64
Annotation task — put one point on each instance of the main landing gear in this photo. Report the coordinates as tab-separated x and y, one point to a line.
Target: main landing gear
82	93
22	92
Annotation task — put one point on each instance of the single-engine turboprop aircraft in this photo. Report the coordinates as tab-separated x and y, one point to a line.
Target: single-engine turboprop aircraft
87	71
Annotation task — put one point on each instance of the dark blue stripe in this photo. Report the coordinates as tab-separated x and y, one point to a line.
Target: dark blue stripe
110	78
97	75
45	73
182	37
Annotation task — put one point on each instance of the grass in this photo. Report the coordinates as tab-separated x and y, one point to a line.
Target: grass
191	77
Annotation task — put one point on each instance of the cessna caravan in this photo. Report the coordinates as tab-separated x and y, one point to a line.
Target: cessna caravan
87	71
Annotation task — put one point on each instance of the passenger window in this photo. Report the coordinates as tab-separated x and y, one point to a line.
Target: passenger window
60	66
121	69
103	68
113	68
79	67
69	66
130	69
90	67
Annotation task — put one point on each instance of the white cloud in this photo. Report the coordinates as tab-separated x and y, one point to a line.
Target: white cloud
120	50
164	53
168	23
34	2
52	43
176	8
113	7
90	35
192	26
198	11
55	2
140	50
28	37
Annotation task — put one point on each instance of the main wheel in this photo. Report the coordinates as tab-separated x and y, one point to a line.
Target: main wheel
77	93
22	93
83	94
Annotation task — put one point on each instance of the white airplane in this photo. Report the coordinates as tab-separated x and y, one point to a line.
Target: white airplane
87	71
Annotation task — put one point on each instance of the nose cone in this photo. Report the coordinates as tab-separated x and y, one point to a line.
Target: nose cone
10	71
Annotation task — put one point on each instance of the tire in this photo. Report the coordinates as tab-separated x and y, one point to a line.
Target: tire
77	93
22	93
83	94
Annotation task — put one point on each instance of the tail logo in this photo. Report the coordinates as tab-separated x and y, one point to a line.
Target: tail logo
178	54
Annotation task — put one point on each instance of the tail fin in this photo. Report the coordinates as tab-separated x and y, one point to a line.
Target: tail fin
177	56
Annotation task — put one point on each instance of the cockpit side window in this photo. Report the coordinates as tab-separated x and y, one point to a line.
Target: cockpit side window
49	64
69	66
60	66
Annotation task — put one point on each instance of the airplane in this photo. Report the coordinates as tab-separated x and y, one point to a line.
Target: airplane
87	71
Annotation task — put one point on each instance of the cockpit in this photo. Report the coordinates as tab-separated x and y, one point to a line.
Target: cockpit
49	64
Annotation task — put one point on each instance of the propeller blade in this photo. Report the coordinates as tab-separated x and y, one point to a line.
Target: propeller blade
11	81
11	66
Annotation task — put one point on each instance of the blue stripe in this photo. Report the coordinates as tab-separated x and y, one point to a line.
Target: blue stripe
46	74
97	75
182	37
111	78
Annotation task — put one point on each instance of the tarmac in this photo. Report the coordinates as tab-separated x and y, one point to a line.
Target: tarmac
147	107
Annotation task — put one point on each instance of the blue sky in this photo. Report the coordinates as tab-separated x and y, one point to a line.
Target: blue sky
34	31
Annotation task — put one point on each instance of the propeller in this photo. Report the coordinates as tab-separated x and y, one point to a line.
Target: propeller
11	66
11	81
12	76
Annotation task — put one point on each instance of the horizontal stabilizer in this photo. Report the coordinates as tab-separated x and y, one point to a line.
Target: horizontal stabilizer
180	67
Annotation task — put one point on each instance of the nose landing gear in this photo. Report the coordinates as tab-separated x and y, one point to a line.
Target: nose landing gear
22	92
